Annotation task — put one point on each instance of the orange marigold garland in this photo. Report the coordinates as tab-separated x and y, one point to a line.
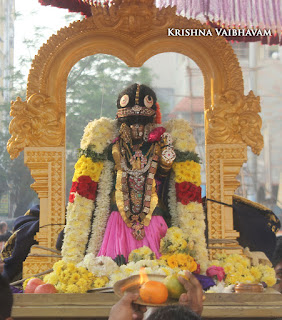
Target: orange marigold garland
158	119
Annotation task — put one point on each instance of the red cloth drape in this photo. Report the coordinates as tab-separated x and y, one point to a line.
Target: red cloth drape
72	5
266	14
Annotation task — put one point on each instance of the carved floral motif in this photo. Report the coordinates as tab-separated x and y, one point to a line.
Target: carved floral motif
136	18
36	122
235	119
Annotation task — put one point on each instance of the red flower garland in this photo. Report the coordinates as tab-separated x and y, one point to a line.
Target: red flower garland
84	187
187	192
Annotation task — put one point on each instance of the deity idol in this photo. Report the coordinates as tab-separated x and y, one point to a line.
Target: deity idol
143	157
124	193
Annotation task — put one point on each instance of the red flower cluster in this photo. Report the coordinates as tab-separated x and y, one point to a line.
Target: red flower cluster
71	197
155	135
198	270
187	192
84	187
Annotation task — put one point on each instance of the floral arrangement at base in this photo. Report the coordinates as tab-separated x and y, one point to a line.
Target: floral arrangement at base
144	253
68	278
181	261
234	268
96	272
175	242
221	288
100	266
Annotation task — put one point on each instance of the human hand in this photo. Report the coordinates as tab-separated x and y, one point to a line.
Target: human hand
125	309
194	296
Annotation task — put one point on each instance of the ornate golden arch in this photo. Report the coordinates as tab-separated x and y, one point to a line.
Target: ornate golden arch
133	34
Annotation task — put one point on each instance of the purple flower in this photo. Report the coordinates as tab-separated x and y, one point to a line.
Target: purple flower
205	281
16	290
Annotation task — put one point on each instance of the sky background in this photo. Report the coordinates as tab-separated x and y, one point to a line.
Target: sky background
33	14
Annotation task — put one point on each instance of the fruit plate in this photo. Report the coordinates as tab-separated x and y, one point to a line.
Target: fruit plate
132	284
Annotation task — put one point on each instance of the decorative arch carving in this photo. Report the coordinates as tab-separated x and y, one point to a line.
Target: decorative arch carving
134	34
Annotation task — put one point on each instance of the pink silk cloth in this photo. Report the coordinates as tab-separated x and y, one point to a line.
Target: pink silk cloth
118	238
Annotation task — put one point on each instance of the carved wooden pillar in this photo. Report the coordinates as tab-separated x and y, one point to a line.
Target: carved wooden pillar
231	125
223	165
47	167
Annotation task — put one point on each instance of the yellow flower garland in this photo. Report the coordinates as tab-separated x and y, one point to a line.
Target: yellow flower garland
86	167
67	278
239	269
175	242
188	171
143	253
180	260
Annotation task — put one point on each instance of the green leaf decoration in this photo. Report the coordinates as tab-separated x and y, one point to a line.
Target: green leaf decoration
96	157
188	155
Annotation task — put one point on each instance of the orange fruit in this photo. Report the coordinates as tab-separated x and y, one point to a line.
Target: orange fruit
153	292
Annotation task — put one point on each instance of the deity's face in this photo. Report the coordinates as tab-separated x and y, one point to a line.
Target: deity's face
136	106
137	131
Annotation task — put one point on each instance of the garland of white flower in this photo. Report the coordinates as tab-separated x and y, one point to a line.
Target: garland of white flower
102	208
190	218
76	231
98	134
172	203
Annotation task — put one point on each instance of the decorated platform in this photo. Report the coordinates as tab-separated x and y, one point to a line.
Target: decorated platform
266	305
171	148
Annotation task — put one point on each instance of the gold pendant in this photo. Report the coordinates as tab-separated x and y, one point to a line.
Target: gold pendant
136	164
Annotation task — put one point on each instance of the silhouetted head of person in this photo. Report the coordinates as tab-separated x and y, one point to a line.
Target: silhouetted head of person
6	299
3	227
174	312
